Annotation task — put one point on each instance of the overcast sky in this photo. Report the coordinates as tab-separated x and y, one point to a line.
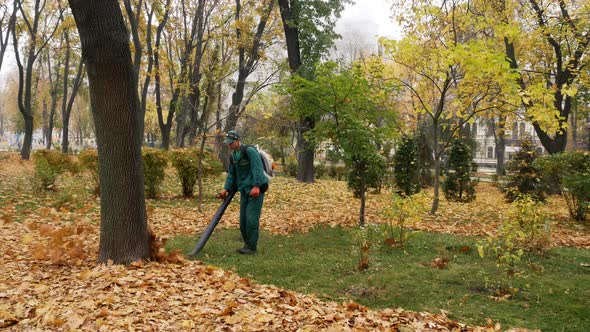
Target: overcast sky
370	18
360	25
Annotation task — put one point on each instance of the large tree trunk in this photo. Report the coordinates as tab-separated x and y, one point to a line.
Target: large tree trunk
305	151
114	99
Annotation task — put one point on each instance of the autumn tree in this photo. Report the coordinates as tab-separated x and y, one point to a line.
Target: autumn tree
74	82
114	98
452	76
357	115
37	22
309	33
547	43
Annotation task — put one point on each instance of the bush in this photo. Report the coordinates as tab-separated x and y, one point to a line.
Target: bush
524	178
49	164
571	173
336	171
154	165
320	170
186	163
291	167
458	185
406	170
88	159
526	231
365	172
403	213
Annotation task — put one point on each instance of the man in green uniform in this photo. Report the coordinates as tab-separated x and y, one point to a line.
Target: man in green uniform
247	175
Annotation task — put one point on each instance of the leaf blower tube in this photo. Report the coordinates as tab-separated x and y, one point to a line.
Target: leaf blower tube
216	218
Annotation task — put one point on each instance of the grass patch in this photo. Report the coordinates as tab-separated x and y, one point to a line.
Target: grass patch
324	262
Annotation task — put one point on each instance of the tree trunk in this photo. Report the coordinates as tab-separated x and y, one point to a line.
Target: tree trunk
363	190
54	87
181	122
305	152
28	139
44	116
435	148
114	98
500	140
195	81
65	117
67	107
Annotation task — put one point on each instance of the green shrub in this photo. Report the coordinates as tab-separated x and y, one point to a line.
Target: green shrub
186	163
154	166
406	170
49	164
336	171
571	173
365	172
88	159
524	178
403	213
291	167
320	170
458	185
525	231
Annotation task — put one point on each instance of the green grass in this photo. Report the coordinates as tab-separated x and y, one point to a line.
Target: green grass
325	261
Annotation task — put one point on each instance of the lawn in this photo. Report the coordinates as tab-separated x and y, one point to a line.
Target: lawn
324	261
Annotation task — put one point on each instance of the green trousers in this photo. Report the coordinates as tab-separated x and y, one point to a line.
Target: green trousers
250	209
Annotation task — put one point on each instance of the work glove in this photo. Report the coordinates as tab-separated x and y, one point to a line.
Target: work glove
222	195
255	192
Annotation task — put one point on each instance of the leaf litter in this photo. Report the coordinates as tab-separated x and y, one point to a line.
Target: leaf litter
49	279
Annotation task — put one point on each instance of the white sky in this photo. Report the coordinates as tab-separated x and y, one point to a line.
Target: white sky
370	18
360	25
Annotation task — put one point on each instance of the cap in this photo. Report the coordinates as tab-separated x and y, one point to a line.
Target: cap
231	136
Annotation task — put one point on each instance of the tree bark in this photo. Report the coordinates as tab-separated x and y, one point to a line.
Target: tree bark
305	150
54	87
165	127
435	148
363	190
117	117
67	107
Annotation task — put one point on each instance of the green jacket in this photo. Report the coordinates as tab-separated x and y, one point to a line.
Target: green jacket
245	173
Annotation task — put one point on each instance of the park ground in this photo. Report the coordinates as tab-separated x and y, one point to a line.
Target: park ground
49	279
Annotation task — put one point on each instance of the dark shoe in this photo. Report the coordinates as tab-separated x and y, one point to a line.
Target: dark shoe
247	251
